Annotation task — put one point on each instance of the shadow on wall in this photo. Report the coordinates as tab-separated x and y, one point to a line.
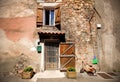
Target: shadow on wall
16	55
116	21
116	32
13	65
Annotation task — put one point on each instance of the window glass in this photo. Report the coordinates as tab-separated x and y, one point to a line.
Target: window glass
52	17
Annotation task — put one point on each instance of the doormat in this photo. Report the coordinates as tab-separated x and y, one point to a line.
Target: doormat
112	74
105	76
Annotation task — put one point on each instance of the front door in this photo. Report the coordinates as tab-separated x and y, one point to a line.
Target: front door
51	55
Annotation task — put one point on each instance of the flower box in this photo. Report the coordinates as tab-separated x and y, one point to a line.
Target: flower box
27	73
71	73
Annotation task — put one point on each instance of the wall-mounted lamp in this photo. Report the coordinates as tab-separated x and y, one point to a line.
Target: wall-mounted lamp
39	48
98	26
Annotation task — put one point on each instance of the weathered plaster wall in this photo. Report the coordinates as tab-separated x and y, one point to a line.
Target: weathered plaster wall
18	18
17	41
109	34
75	15
22	27
116	34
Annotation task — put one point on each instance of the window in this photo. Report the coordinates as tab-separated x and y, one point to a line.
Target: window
49	17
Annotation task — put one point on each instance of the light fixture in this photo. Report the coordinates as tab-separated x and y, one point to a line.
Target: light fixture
98	26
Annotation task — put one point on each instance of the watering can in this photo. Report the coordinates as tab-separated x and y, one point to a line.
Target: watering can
95	60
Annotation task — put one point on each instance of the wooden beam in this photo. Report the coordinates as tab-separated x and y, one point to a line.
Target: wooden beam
67	55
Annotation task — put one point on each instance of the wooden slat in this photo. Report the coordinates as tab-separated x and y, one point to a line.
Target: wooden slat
67	55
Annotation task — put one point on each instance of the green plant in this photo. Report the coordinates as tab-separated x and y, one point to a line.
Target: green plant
28	69
71	69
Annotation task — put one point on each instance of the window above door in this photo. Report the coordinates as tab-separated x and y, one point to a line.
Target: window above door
49	17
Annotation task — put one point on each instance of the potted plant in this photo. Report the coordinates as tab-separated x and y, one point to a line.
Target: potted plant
27	73
71	72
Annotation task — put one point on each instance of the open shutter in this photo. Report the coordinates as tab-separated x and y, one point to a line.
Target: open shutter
40	16
67	55
57	15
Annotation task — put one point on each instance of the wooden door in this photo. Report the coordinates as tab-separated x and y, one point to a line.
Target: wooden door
67	55
51	55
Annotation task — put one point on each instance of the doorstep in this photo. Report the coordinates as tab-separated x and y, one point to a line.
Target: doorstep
49	74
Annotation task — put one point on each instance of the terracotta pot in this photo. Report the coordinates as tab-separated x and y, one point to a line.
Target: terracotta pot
27	75
71	74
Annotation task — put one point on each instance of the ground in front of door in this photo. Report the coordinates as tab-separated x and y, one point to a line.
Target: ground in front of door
56	76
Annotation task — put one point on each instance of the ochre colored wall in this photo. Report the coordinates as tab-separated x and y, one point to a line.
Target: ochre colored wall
17	40
19	27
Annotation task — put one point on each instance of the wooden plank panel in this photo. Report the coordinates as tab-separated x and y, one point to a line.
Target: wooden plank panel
63	47
67	55
65	60
39	15
57	15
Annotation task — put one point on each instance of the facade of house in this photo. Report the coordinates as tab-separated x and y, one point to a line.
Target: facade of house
64	29
52	37
60	34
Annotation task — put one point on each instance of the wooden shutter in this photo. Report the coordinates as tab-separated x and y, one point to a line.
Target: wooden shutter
57	15
40	16
67	55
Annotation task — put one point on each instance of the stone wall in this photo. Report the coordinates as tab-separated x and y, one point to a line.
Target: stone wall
78	21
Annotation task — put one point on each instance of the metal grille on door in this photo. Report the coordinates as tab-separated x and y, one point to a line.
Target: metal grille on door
51	56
